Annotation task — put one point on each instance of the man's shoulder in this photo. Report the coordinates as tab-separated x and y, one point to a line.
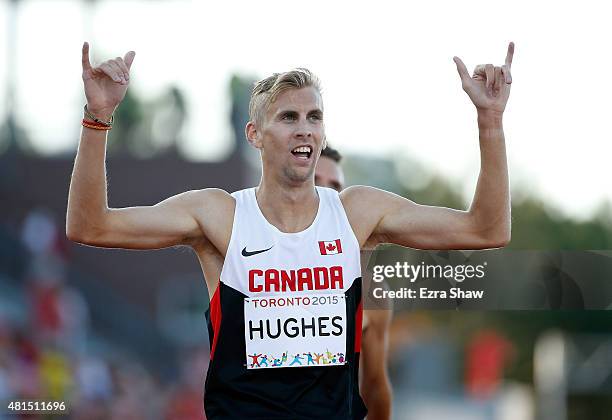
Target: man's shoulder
355	194
209	194
363	210
363	200
211	200
213	208
358	194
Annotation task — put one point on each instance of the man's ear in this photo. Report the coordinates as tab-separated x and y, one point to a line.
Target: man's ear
252	135
324	143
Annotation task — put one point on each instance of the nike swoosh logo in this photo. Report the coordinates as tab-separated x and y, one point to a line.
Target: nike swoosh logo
246	253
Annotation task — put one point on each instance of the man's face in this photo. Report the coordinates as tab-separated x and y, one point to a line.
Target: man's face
291	134
328	173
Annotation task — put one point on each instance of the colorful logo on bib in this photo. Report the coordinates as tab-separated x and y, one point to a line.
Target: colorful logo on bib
295	331
330	247
299	359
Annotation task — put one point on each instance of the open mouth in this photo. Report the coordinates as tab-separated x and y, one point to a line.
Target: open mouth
302	152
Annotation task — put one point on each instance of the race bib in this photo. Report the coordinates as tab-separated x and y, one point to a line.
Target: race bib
295	331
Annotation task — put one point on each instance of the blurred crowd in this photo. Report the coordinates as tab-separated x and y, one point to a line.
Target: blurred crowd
49	350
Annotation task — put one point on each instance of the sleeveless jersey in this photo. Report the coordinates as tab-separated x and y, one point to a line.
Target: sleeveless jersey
285	320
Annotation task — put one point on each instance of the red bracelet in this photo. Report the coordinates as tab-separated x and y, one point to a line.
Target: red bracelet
95	125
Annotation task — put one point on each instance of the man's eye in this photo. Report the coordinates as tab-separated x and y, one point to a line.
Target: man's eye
316	117
288	117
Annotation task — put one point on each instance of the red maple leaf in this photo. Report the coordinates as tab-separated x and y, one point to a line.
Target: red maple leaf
330	247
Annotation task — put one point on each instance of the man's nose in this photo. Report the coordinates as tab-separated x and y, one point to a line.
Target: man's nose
303	130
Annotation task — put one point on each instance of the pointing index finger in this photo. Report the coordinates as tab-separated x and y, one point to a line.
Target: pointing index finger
510	54
85	57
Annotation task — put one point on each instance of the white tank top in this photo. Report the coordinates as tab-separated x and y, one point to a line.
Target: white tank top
328	242
285	320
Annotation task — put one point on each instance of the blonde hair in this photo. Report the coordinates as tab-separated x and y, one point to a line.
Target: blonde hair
265	91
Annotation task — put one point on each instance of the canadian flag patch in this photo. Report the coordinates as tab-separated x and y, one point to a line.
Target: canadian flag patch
330	247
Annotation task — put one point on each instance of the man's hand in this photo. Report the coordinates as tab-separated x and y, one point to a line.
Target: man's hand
106	84
489	86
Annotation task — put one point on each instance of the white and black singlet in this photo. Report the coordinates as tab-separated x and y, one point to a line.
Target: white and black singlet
285	320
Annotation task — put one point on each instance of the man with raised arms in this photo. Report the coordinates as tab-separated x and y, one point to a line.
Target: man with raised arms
287	225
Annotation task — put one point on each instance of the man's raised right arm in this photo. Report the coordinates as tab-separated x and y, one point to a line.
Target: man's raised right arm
89	220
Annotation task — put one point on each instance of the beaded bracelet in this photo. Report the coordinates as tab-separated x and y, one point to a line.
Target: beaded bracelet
89	115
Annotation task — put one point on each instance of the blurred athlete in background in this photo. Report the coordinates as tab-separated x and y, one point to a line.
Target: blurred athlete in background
374	382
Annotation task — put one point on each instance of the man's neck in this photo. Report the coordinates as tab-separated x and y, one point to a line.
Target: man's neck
290	209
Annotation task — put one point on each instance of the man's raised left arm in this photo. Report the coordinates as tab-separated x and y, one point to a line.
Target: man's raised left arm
489	90
394	219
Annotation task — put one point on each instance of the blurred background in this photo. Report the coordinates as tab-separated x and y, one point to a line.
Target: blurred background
109	329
